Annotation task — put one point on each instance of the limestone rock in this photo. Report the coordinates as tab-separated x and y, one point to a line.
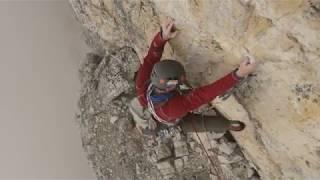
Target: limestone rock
178	163
224	159
112	80
192	145
163	152
250	172
213	177
180	148
226	148
113	119
165	168
236	159
280	106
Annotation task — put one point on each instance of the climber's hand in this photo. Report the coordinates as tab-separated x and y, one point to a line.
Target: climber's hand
168	29
247	66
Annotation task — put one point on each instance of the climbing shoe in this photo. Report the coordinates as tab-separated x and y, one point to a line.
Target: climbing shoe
236	125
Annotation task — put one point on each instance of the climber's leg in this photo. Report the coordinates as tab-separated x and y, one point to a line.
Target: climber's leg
202	123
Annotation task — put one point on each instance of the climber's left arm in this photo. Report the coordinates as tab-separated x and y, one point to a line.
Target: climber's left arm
153	56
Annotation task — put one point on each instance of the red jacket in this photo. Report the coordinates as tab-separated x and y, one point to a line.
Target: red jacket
179	105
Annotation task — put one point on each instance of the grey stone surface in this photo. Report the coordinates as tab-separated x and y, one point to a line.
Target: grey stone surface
107	88
166	168
180	148
226	148
163	152
179	163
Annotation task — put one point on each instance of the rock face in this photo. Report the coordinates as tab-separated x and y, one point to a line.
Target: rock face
281	105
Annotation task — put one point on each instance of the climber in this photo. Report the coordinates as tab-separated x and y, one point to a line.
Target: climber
157	85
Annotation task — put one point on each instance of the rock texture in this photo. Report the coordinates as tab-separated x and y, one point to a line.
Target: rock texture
281	105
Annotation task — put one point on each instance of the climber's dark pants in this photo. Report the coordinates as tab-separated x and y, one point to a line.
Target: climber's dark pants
200	123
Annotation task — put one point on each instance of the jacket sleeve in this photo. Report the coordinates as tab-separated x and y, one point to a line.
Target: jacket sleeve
180	105
153	56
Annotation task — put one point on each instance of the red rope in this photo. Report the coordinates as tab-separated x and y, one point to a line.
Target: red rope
217	170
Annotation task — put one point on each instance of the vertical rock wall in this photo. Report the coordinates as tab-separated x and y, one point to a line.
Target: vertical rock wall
282	102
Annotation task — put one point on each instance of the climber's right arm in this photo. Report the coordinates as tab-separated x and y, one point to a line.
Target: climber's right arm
180	105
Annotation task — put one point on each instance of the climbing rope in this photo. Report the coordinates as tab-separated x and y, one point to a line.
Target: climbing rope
215	163
216	166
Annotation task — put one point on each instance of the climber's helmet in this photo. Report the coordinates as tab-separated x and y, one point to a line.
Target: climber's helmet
167	74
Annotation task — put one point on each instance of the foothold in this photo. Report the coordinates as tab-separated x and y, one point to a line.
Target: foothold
307	163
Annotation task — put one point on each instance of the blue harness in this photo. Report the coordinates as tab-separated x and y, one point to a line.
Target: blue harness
158	98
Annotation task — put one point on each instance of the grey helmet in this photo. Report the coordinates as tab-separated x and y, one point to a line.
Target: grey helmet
167	72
